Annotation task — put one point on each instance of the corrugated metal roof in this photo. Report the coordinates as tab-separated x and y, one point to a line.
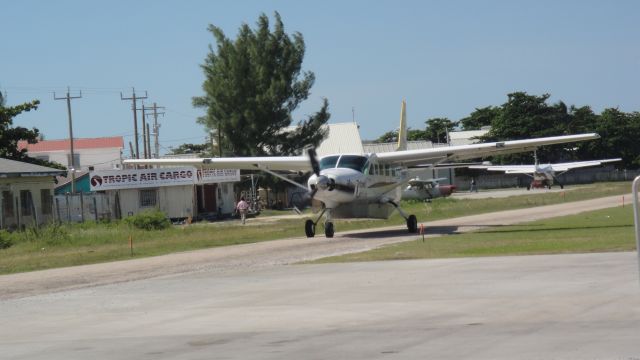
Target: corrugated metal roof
390	147
82	143
10	168
467	136
342	138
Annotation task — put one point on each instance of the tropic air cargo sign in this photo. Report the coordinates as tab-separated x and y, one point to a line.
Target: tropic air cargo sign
148	178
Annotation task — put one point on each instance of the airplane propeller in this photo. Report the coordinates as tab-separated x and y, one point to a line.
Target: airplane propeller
313	158
315	165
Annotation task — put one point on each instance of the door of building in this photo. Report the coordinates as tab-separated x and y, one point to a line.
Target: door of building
207	198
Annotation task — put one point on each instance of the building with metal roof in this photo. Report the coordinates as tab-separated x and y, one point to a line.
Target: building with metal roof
26	193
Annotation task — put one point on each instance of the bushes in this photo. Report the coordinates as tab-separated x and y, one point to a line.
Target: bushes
149	220
5	240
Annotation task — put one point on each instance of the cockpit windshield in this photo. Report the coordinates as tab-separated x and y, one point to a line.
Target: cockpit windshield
353	162
328	162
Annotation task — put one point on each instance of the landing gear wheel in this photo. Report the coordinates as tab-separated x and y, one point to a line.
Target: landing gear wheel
328	229
412	224
310	228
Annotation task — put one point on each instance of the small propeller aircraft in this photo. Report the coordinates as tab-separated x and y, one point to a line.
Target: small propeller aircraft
426	190
363	185
543	175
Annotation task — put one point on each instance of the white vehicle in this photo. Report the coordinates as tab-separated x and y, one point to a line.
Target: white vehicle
543	175
363	185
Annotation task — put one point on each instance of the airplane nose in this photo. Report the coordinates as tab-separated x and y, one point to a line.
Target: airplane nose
322	182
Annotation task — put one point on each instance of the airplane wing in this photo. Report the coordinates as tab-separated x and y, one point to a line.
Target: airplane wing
508	169
530	169
414	182
561	167
463	152
433	156
273	163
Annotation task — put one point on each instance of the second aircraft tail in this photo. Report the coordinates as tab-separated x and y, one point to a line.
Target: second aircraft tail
402	131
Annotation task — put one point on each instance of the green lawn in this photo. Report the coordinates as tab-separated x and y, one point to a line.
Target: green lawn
603	230
88	243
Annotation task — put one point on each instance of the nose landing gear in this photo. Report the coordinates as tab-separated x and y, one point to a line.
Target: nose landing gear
310	225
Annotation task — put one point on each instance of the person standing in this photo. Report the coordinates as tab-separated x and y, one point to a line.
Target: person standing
242	207
474	187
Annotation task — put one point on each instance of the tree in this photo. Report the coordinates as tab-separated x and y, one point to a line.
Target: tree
252	85
437	129
198	149
9	135
618	132
480	117
526	116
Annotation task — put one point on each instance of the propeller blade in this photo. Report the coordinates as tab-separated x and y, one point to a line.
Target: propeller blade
313	158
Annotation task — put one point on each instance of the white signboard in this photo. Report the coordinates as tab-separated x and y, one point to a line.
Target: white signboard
210	176
141	178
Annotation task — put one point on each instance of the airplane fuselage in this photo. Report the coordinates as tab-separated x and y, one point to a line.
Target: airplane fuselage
356	186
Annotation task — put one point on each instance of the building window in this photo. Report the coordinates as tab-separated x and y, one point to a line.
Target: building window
7	203
148	197
46	201
76	161
25	202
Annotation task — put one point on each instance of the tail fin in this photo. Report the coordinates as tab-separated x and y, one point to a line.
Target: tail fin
402	132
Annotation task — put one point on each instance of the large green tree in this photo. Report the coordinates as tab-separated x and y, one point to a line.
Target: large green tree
526	116
10	135
437	129
480	117
252	85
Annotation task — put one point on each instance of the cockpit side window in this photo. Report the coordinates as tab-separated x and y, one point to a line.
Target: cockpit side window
353	162
328	162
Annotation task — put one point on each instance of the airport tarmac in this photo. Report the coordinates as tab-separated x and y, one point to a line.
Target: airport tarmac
584	306
246	302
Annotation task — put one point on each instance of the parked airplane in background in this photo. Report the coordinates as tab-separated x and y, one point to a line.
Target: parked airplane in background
426	189
543	175
363	186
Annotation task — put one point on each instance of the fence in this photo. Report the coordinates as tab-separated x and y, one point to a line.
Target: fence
83	207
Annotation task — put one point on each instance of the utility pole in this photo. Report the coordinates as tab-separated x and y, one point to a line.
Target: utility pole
144	133
73	163
147	141
135	116
156	129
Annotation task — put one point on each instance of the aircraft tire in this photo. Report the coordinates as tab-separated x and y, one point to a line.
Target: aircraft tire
412	224
310	228
328	229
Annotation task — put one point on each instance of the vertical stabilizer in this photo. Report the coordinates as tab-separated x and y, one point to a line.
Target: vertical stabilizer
402	131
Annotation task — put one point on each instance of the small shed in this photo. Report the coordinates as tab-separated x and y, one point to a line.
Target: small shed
26	192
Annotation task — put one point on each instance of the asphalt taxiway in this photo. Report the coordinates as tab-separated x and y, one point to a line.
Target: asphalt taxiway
249	302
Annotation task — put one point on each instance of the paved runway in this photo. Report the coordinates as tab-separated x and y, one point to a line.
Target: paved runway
245	302
530	307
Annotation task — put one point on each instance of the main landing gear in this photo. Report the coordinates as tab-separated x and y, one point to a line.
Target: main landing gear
412	221
310	225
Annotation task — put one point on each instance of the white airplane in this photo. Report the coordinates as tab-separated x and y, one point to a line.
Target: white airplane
418	189
545	174
362	185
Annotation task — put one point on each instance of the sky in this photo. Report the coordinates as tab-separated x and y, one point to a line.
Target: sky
446	58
